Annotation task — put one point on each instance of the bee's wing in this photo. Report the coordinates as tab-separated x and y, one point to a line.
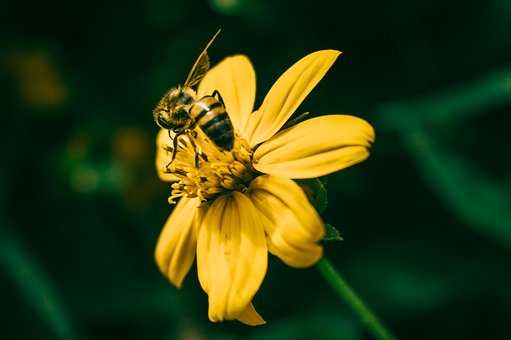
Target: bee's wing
201	66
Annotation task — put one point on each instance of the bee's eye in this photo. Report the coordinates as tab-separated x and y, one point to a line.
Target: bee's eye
184	99
163	122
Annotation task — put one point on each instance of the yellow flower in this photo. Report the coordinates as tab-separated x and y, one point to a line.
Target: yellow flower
235	207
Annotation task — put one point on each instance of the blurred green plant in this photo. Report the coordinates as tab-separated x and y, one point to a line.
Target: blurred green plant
357	305
448	106
35	286
311	327
483	204
318	195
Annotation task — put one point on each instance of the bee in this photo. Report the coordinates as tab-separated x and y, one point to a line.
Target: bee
180	110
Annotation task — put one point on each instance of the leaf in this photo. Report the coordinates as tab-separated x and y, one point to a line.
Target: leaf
482	204
449	105
35	285
316	192
332	233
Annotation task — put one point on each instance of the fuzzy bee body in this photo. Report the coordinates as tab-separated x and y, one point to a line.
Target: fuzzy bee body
180	110
210	115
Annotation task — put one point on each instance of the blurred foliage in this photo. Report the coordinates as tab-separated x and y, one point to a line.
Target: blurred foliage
483	205
426	220
481	202
35	287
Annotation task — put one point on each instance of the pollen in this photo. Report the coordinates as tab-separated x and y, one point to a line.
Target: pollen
202	170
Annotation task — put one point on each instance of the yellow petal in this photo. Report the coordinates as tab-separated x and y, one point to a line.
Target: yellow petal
287	94
163	157
291	223
315	147
250	317
175	249
231	256
234	78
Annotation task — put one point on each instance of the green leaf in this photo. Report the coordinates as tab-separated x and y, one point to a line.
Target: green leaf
449	105
481	203
35	285
316	192
332	233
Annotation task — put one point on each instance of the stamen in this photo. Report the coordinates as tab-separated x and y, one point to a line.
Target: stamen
216	173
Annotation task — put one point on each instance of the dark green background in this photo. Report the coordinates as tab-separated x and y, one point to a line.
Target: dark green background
426	220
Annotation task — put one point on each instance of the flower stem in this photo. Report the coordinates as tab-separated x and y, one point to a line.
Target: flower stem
346	293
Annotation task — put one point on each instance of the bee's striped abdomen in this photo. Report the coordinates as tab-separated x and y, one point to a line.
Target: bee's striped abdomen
210	115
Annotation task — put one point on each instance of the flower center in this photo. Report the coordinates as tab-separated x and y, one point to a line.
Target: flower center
203	171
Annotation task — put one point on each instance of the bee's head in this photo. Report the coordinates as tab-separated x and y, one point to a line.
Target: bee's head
172	111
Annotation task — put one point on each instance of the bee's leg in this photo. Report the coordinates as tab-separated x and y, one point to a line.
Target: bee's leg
197	153
192	133
218	96
169	149
174	140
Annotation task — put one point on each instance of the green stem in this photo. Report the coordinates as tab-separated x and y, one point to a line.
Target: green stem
332	276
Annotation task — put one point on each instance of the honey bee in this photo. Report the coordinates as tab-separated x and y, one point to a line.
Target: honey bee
180	110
